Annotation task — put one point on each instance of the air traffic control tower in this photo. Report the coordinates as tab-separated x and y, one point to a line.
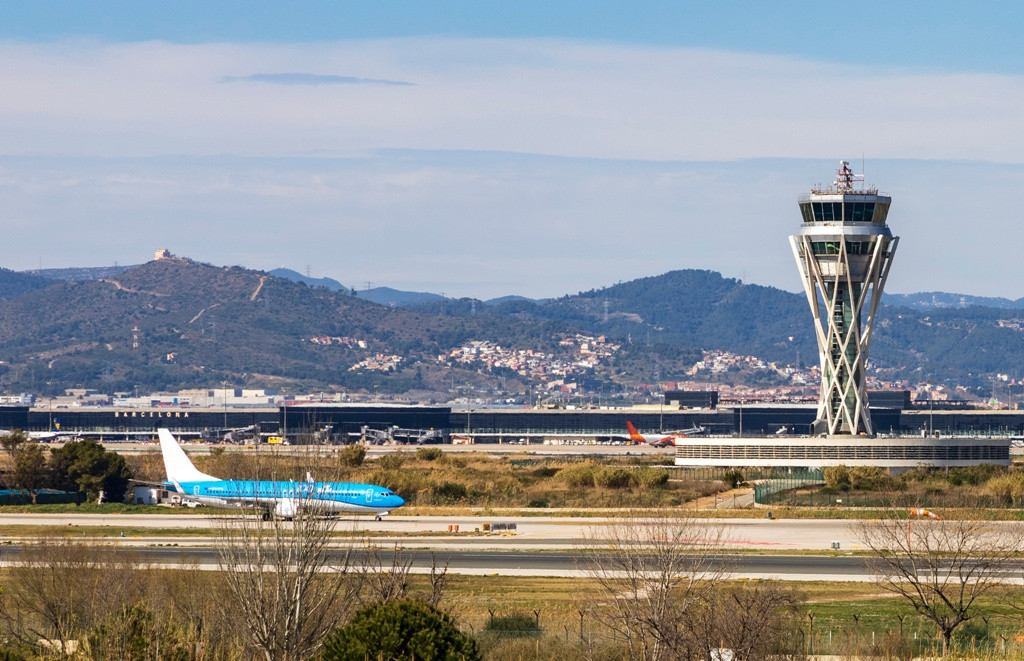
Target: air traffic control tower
844	250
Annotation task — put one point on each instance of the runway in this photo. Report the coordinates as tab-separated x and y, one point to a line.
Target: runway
797	549
531	532
517	563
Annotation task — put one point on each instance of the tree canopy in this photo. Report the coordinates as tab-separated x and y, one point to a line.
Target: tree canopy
400	630
87	466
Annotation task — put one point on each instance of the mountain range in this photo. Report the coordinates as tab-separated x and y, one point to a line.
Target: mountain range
202	326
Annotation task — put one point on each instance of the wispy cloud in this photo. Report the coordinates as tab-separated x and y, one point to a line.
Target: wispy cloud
308	79
643	142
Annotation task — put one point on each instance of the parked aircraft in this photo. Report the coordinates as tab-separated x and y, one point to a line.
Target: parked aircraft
661	439
42	436
282	499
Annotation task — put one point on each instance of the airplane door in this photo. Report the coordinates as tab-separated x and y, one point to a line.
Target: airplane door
369	495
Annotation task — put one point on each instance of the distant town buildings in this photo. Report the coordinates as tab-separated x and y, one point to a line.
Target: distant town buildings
380	362
582	355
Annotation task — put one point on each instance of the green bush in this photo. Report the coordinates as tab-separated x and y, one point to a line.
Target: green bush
429	454
868	478
352	455
837	477
448	492
613	477
400	630
578	476
1009	488
392	461
733	478
651	477
455	462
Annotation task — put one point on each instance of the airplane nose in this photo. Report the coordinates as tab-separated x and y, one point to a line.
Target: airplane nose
399	501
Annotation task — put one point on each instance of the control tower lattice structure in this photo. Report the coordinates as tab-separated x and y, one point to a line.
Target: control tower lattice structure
844	250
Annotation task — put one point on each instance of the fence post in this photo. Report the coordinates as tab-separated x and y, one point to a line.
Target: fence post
810	634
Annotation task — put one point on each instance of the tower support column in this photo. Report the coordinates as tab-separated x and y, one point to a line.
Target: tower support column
843	252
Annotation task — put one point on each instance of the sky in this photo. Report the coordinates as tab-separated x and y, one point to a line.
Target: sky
484	149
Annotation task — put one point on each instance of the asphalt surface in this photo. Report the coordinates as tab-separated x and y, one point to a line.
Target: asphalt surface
517	563
550	532
539	546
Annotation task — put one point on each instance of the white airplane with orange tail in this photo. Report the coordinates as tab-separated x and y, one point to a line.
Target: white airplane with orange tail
661	439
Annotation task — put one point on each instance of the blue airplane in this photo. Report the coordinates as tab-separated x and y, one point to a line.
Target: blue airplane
282	499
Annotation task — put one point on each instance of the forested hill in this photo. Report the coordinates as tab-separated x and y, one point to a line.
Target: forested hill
203	326
13	283
697	308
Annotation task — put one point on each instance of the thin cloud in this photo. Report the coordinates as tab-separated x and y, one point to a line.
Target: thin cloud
309	79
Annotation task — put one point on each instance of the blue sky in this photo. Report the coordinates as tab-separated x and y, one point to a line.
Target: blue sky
482	149
934	34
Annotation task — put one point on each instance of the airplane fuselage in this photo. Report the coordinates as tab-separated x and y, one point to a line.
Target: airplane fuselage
332	497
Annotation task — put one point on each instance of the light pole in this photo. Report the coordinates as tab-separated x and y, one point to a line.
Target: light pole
225	390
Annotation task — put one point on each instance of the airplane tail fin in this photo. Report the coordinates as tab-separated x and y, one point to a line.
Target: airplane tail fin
177	464
634	435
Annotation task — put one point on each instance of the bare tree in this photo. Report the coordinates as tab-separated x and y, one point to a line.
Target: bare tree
438	581
940	567
59	588
384	584
652	574
754	621
289	585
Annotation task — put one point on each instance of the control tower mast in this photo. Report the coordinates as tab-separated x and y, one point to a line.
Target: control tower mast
844	250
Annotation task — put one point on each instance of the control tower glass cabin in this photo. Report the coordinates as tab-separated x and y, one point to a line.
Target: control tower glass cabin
844	250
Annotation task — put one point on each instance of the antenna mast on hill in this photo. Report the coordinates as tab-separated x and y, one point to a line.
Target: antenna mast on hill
136	334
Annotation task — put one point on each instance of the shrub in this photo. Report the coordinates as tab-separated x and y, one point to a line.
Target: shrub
400	629
868	478
544	471
455	462
578	475
429	454
1009	488
447	492
352	455
733	478
651	477
391	462
613	477
537	502
837	477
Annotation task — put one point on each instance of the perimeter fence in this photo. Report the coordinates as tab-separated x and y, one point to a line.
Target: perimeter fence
571	634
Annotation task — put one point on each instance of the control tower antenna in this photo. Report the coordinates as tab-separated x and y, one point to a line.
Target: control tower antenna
844	250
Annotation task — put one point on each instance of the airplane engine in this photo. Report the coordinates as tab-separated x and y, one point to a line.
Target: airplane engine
286	509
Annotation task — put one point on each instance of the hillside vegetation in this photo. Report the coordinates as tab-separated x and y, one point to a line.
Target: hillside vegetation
205	326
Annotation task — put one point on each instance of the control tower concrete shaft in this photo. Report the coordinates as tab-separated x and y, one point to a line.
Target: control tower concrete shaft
844	250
